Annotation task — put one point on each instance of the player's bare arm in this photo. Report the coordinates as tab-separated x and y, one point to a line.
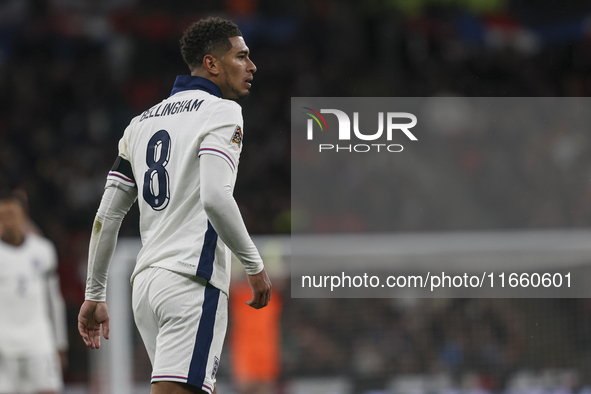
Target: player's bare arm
92	317
261	290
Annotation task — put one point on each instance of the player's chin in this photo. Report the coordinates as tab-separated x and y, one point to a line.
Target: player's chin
243	94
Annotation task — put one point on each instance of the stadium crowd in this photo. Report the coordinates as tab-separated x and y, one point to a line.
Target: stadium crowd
75	73
476	344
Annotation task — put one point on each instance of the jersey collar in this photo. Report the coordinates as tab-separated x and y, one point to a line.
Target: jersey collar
189	82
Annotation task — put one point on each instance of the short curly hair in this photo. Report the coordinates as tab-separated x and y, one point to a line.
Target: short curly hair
206	36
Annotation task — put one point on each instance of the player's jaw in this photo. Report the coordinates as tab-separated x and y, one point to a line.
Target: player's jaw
245	91
239	89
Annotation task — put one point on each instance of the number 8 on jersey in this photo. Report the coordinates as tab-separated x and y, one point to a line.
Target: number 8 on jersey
156	182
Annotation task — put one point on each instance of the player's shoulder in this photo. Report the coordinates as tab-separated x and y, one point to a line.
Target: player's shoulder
228	109
135	120
43	250
229	105
40	242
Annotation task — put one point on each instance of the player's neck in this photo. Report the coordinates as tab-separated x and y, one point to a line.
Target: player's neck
14	239
199	72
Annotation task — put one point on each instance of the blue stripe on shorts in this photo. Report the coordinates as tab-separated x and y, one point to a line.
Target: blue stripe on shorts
204	337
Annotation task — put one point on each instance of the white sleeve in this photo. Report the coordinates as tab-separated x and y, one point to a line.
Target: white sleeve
223	213
57	305
117	199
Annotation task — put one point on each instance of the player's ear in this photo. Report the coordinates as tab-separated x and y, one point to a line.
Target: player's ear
210	64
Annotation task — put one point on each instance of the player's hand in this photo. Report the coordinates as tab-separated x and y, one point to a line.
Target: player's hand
92	315
261	290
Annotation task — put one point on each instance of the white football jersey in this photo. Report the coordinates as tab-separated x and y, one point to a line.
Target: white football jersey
26	327
163	146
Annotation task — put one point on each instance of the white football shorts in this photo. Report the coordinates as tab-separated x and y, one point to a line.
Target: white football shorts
30	374
182	320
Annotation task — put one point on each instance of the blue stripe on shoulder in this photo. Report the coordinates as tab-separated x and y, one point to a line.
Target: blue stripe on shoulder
198	365
205	267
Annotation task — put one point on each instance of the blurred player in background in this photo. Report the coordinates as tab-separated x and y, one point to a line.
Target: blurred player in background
33	336
179	160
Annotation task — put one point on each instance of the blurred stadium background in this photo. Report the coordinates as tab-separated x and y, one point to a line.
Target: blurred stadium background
74	72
